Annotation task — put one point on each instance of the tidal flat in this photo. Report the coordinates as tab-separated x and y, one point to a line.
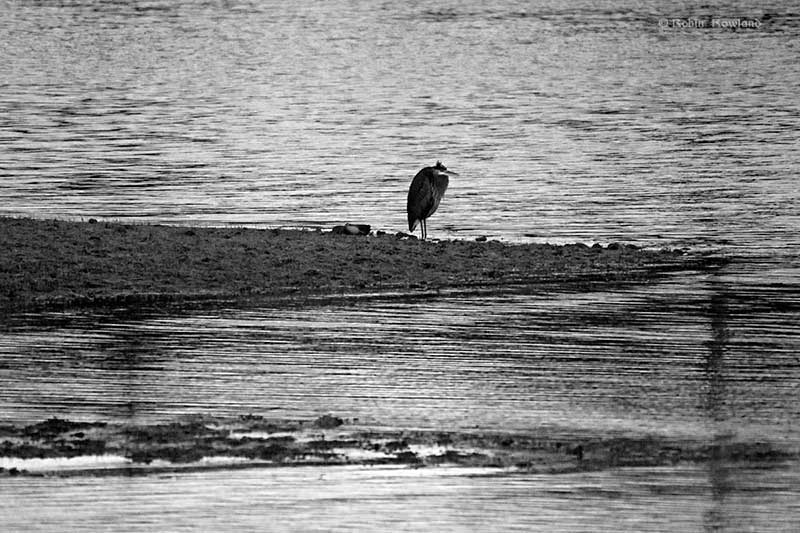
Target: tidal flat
58	263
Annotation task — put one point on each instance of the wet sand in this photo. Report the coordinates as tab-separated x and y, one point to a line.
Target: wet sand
53	263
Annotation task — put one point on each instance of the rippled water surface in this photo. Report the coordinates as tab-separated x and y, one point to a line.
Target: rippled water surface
694	356
675	358
579	122
567	122
380	499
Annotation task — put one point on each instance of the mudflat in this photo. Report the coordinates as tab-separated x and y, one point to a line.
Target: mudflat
69	448
57	263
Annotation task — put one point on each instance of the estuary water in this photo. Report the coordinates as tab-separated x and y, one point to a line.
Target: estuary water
592	122
690	357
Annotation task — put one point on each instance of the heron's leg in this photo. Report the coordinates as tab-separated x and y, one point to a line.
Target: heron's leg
424	224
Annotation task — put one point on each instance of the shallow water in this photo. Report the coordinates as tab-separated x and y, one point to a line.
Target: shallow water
681	499
567	123
692	356
678	357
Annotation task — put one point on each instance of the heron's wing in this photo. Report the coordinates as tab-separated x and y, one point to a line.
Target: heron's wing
440	183
437	185
421	199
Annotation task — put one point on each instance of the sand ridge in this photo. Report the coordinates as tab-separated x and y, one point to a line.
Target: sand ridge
48	263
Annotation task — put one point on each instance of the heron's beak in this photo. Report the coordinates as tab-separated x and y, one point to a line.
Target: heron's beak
448	173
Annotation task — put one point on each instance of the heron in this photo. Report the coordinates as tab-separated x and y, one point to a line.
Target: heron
426	191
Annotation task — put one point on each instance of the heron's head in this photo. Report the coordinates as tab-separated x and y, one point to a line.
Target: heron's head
441	169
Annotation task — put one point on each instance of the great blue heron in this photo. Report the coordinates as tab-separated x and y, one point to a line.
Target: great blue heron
426	191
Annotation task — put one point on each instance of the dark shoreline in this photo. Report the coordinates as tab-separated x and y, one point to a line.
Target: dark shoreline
54	264
252	441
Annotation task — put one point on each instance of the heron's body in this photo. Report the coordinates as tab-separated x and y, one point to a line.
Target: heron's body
425	194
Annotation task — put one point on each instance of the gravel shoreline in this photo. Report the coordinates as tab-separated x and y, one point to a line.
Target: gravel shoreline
55	264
